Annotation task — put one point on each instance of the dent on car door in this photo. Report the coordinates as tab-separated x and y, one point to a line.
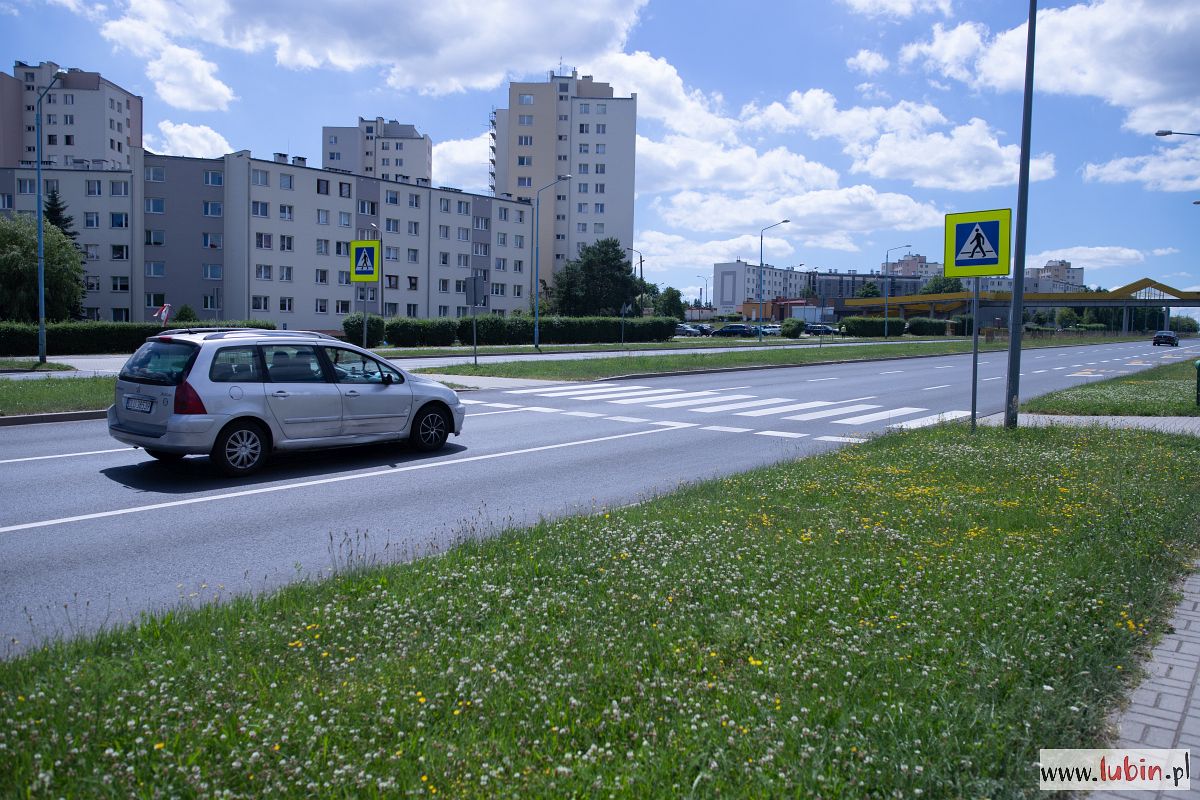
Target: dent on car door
375	396
304	403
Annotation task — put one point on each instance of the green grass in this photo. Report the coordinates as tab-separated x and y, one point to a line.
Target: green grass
46	395
1166	391
922	612
32	364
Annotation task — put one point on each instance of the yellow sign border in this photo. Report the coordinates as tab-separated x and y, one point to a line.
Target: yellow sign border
1003	265
355	246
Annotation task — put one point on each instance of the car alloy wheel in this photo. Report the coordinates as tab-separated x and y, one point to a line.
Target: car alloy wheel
430	430
240	449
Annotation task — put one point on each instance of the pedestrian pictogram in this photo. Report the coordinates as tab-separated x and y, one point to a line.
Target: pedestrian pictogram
977	243
364	261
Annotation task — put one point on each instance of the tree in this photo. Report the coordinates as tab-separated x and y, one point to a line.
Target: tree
188	314
1067	318
55	211
598	283
869	289
18	271
669	304
940	284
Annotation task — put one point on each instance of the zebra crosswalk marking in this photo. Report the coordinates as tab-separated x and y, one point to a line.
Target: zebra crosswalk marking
762	412
748	404
582	392
933	419
832	412
782	434
568	386
698	401
708	396
878	415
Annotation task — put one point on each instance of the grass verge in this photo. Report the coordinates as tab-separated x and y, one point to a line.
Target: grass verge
47	395
1166	391
922	612
32	364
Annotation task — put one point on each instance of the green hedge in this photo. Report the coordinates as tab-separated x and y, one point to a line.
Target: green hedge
405	332
963	324
491	329
352	328
92	338
791	328
926	326
872	326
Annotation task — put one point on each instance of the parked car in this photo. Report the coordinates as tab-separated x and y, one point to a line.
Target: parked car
686	330
1166	337
736	329
815	329
240	395
705	330
771	330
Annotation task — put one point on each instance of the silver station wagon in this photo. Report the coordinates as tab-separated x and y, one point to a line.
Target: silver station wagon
238	395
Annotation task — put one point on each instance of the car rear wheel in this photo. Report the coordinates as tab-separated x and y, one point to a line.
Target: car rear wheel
163	455
240	449
430	429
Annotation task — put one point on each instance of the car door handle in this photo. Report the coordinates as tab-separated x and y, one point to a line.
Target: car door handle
280	393
352	393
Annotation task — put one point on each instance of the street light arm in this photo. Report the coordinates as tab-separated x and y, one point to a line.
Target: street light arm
537	250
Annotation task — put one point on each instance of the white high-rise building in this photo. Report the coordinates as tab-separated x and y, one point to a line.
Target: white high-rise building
387	150
568	125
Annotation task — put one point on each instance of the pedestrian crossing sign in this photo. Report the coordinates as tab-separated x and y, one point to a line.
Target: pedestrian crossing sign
364	261
977	243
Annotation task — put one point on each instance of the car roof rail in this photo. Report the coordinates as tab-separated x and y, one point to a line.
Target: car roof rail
266	333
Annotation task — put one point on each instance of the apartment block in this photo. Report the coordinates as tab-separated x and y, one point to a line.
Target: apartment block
387	150
737	282
568	125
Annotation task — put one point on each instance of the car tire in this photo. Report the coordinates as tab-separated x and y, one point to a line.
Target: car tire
241	448
163	455
430	430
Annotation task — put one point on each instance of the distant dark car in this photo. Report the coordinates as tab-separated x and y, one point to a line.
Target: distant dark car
686	330
813	329
1166	337
735	329
705	330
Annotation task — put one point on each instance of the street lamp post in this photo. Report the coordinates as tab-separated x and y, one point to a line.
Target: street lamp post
705	279
641	296
41	244
762	269
886	258
537	250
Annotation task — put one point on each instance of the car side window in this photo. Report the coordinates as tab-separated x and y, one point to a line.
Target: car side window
353	367
235	365
293	364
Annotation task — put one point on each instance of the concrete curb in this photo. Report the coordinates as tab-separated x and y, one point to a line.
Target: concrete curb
62	416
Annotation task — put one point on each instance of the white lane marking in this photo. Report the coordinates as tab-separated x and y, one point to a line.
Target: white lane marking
748	404
493	413
1039	371
997	378
931	388
762	412
358	476
841	439
611	393
565	386
66	455
832	412
503	405
707	395
698	401
1056	369
782	434
934	419
725	429
677	424
946	366
543	410
818	380
468	402
627	419
590	390
588	414
878	415
892	372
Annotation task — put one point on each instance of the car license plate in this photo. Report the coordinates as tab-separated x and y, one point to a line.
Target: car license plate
139	404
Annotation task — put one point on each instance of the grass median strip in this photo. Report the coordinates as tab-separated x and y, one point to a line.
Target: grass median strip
923	611
1166	391
47	395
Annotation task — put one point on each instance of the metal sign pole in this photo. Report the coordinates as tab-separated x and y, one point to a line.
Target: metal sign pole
974	351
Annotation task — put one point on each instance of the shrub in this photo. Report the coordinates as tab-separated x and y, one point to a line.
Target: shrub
872	326
926	326
90	338
352	327
792	328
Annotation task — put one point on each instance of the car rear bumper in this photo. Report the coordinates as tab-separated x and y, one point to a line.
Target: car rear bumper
186	433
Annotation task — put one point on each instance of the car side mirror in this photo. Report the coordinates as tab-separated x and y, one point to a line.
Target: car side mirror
387	379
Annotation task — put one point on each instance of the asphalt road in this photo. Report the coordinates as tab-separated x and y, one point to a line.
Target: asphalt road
93	533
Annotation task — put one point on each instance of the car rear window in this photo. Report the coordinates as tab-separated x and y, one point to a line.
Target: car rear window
159	362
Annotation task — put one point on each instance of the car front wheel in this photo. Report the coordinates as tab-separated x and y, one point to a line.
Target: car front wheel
240	449
430	429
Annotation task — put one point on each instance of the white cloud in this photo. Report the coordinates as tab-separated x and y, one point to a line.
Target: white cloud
898	8
462	163
1167	251
871	91
816	113
92	11
1090	257
1170	168
183	79
951	53
868	62
968	159
195	141
677	162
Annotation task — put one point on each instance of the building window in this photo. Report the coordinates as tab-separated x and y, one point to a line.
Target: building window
343	219
286	211
480	249
91	219
584	127
262	272
599	169
343	277
212	272
464	260
525	119
501	239
601	129
444	204
414	228
498	289
343	189
118	219
213	208
414	200
260	177
156	269
525	99
322	186
582	169
524	161
214	177
518	265
321	306
414	255
322	276
581	227
262	241
156	174
502	213
464	235
259	208
120	283
285	273
501	263
341	307
444	285
285	304
519	241
155	299
582	188
599	188
525	141
322	247
600	149
93	188
118	188
444	259
368	207
597	227
464	207
286	244
391	197
322	216
155	238
411	310
342	248
524	182
391	253
259	302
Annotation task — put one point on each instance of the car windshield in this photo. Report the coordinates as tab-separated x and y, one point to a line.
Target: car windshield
160	362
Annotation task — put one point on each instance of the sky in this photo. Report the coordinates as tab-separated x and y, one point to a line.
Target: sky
863	122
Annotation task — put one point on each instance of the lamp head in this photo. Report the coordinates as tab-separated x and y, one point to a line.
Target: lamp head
1163	133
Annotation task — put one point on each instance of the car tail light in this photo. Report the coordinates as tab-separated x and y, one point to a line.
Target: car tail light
187	401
